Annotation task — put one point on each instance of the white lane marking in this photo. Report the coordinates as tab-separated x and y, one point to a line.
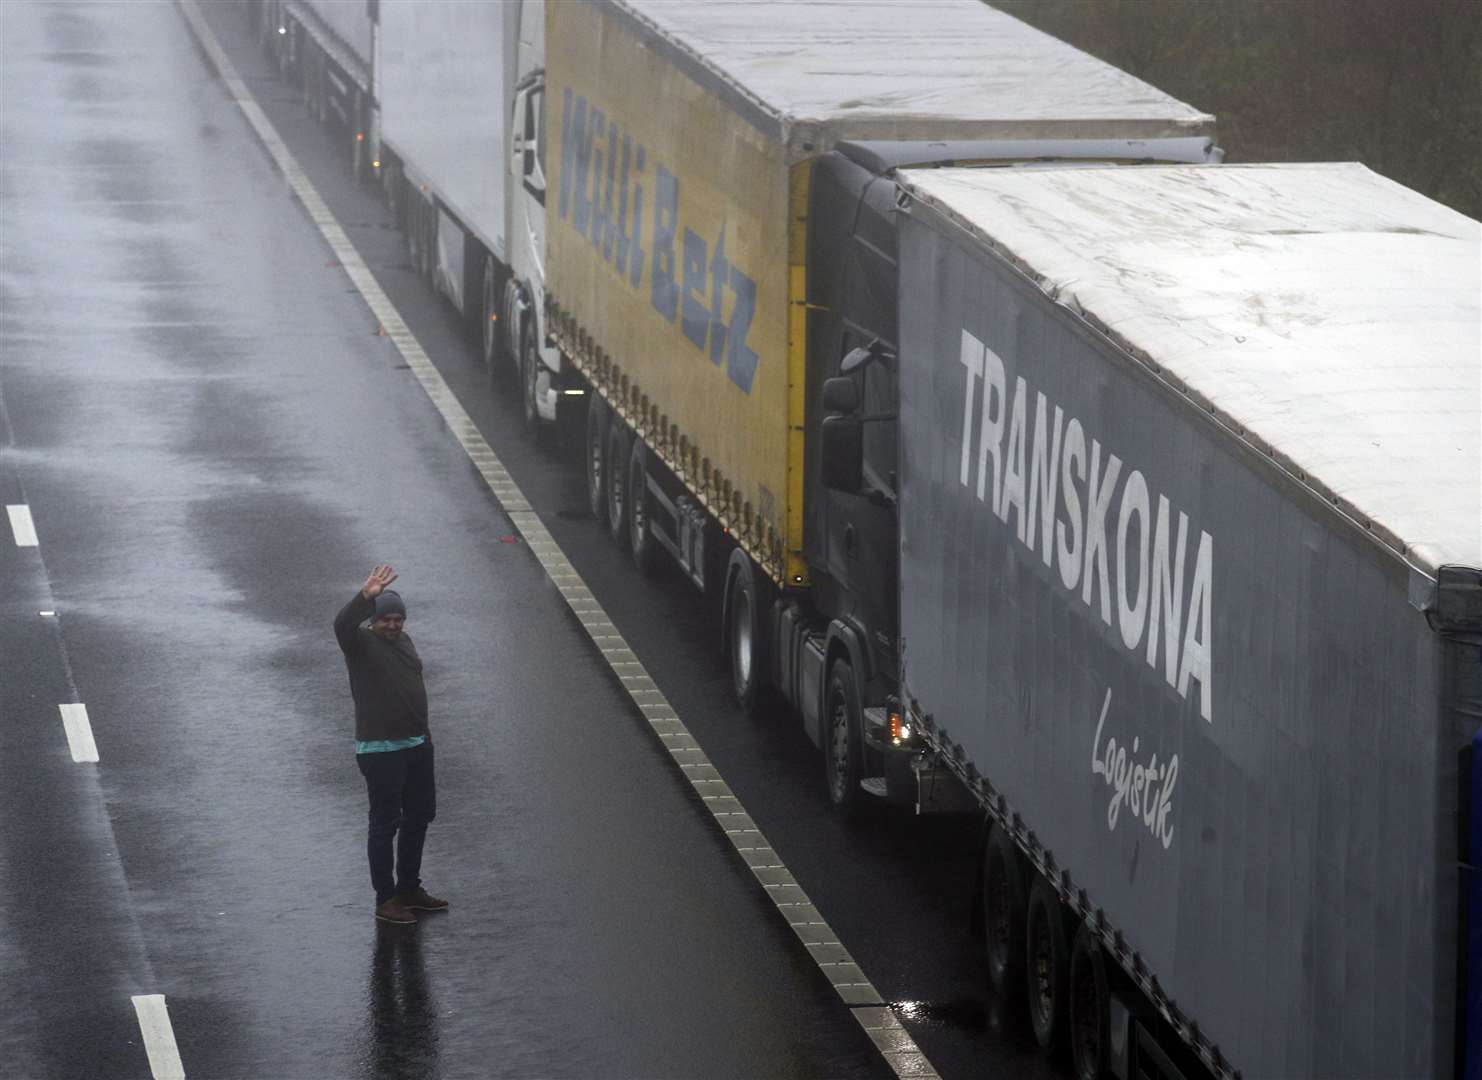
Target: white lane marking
875	1018
79	732
22	525
159	1037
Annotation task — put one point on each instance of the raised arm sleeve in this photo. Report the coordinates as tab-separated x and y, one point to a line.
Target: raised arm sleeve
349	619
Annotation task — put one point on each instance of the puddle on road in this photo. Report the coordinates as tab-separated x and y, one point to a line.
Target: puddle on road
962	1014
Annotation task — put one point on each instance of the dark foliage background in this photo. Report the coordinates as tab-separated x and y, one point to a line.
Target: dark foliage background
1395	84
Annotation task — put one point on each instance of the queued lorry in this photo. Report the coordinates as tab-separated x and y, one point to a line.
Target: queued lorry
1189	494
442	104
726	288
326	48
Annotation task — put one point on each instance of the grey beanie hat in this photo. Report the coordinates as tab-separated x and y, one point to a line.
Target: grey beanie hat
388	602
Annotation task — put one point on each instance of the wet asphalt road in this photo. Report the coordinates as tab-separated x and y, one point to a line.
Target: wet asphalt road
215	447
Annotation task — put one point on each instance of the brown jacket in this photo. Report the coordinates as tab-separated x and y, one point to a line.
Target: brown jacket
385	677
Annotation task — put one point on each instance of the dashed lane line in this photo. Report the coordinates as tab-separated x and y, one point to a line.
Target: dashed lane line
79	732
154	1021
159	1037
22	525
874	1016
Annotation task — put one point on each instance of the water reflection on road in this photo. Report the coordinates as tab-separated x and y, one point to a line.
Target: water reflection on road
401	1032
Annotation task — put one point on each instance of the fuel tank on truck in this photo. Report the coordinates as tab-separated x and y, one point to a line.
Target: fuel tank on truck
1191	468
677	201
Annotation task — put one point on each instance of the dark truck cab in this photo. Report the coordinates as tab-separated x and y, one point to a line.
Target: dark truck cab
835	653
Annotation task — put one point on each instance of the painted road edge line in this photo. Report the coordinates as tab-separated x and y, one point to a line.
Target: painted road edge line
871	1012
22	525
79	732
159	1037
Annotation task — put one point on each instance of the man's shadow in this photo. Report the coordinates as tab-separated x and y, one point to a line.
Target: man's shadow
403	1016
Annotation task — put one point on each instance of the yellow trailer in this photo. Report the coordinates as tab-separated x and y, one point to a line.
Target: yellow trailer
675	270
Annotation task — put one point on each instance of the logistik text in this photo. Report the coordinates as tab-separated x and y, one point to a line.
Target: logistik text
689	278
1152	594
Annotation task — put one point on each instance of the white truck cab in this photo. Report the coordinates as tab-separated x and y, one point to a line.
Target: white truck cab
536	358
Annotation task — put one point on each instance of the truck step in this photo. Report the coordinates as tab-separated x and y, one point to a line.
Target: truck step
873	785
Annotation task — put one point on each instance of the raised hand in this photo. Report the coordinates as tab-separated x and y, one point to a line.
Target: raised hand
379	578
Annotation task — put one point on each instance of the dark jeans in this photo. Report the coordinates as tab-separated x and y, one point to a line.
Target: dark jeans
403	800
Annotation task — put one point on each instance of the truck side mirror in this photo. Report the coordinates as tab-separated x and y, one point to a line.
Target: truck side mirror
840	395
842	452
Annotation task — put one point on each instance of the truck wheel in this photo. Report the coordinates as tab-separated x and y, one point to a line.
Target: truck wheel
416	211
597	421
359	151
618	444
1090	997
1048	960
743	633
1003	913
315	89
391	177
640	540
429	243
530	363
515	313
490	329
842	752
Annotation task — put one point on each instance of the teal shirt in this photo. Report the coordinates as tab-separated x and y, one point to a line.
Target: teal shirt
380	746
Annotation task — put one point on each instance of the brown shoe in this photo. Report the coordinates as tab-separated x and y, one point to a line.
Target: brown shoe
395	911
421	900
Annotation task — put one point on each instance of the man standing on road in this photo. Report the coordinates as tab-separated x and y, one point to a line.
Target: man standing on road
392	745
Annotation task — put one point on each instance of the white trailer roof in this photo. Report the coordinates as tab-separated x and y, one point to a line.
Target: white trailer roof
857	69
1327	315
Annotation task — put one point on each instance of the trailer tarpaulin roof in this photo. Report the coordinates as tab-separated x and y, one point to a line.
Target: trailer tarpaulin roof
1325	315
829	70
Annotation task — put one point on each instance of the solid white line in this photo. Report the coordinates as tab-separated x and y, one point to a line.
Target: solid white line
79	732
159	1037
22	525
833	960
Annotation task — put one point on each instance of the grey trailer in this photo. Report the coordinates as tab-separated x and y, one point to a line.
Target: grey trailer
1190	538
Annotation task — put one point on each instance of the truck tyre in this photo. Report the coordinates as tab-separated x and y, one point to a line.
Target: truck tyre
516	311
597	421
618	444
1090	999
842	741
391	177
1047	957
416	211
743	633
357	152
640	539
316	88
530	363
489	331
429	243
1003	913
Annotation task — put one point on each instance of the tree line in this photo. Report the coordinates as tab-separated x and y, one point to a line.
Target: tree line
1394	84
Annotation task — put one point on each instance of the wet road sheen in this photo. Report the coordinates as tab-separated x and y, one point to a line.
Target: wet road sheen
216	446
